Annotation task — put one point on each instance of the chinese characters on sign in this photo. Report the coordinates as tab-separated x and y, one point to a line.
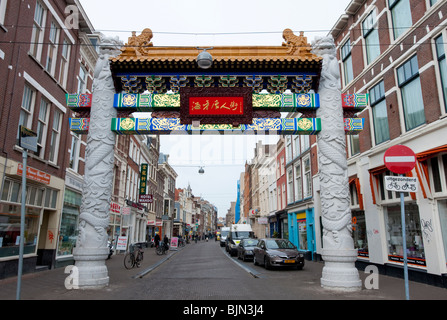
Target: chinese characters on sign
143	197
216	105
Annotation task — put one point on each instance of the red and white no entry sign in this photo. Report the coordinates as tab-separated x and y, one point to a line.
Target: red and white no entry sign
399	159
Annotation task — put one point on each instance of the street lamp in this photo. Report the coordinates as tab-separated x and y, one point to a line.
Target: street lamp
204	58
201	171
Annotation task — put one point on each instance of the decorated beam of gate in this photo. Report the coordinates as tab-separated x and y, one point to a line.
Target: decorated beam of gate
305	126
155	102
81	126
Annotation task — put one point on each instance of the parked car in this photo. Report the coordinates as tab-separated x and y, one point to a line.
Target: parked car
274	252
245	249
223	235
237	233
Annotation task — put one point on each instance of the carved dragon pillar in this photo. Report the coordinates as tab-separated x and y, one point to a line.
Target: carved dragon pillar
339	255
91	248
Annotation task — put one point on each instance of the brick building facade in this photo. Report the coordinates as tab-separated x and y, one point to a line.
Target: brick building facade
395	51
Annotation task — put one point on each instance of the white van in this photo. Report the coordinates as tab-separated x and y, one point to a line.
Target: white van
237	233
223	235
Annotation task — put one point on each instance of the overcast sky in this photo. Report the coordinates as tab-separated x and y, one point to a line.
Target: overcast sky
213	23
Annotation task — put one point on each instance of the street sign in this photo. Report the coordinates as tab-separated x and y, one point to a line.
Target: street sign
399	159
28	139
401	184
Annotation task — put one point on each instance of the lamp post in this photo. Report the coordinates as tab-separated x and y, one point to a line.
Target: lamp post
201	170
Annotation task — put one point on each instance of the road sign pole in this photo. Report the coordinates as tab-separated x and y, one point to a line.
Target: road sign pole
404	243
22	225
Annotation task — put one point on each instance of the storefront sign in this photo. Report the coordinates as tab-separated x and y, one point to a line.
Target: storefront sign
174	243
158	223
126	211
143	178
115	207
121	243
216	105
145	198
34	174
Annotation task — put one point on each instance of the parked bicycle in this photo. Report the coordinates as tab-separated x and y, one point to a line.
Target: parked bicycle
162	248
134	256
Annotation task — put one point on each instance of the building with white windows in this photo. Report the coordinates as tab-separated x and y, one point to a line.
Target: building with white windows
395	51
38	66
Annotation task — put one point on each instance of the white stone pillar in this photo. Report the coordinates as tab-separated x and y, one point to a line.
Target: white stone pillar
91	249
339	255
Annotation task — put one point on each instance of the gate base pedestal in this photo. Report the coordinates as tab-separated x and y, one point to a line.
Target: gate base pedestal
339	271
91	268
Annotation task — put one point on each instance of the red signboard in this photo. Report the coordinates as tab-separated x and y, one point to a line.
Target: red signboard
216	105
399	159
34	174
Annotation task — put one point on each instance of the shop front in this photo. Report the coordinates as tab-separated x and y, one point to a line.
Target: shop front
301	231
42	216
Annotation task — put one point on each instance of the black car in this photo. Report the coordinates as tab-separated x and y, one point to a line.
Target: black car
245	249
277	253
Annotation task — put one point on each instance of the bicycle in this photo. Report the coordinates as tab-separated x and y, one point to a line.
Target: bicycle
162	248
133	257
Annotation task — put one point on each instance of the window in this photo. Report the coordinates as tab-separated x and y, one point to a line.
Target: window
52	49
298	183
74	152
307	182
354	143
26	111
296	146
38	31
371	36
409	83
289	149
82	85
438	174
290	185
440	52
400	15
55	136
63	73
305	143
42	127
379	113
347	62
3	4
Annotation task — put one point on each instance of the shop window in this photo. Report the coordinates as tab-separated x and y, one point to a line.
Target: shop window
410	87
371	36
348	74
442	209
10	219
379	113
359	233
302	234
414	233
69	223
400	16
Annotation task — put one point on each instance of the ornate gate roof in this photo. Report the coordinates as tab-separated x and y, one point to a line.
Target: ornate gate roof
142	66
